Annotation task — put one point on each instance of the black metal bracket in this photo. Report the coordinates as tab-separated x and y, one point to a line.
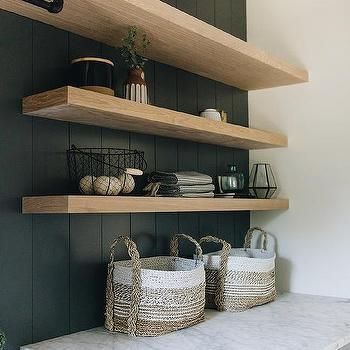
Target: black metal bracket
53	6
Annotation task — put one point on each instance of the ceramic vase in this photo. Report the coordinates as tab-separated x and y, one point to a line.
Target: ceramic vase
135	88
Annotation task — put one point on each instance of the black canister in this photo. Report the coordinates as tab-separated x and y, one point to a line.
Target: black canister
93	73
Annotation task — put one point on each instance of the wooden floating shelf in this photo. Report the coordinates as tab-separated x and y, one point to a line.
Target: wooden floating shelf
177	38
77	204
88	107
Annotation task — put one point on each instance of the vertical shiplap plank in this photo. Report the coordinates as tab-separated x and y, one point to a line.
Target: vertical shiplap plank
167	225
241	226
143	233
224	100
116	224
226	227
50	57
86	273
206	11
223	11
82	47
240	107
165	151
207	154
225	156
142	227
239	19
188	224
50	138
50	235
16	180
50	276
112	227
240	116
188	6
187	101
86	269
165	95
226	221
149	71
187	92
165	86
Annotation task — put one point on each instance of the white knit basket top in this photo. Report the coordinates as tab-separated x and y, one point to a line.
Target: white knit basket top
162	272
254	260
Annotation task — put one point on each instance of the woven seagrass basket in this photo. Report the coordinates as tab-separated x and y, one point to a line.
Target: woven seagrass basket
154	296
239	279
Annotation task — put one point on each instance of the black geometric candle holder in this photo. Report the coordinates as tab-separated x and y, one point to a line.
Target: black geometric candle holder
262	183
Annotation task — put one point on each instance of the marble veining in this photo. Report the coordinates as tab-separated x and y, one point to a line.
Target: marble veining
292	322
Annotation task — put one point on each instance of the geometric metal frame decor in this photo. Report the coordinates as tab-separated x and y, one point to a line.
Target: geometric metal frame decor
262	183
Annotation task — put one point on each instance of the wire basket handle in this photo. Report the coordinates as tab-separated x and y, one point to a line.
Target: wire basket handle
174	245
136	285
249	236
225	253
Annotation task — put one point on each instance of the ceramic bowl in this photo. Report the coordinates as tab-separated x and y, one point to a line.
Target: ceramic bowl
211	114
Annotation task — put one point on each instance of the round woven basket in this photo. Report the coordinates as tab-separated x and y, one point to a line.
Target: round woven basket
154	296
238	279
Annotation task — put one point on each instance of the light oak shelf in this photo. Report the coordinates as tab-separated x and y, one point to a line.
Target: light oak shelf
88	107
77	204
177	38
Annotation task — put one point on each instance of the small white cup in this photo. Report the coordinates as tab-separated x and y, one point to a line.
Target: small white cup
211	114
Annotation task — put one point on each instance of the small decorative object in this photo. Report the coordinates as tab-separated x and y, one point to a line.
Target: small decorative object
262	183
211	114
97	170
2	340
135	88
53	6
86	184
223	115
240	278
107	186
135	172
156	295
232	181
93	73
127	183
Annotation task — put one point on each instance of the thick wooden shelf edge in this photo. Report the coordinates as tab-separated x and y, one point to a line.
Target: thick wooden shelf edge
87	107
178	39
77	204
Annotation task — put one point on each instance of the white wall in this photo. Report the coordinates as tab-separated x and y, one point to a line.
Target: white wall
314	171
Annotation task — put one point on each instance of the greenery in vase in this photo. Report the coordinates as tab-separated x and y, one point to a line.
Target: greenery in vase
133	49
2	340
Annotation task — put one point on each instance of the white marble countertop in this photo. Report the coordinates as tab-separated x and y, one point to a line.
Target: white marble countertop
292	322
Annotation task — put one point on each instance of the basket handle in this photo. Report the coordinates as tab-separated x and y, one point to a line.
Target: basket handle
174	245
136	285
225	252
249	236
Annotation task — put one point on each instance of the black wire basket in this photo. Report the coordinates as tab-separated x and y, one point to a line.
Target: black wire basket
104	171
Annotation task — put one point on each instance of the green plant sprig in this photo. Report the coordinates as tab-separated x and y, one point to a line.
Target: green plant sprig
133	49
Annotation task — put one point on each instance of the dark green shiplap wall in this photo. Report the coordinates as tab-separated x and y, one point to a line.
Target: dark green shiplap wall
52	268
